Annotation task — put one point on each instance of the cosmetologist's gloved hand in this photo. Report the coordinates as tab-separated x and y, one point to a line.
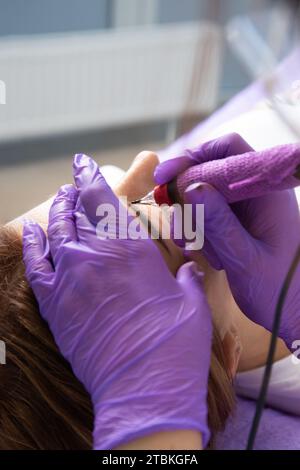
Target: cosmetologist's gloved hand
253	240
225	146
129	329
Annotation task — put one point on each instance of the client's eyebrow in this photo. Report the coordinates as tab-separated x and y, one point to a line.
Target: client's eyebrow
150	227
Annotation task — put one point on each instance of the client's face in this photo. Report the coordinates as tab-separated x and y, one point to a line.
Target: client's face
137	182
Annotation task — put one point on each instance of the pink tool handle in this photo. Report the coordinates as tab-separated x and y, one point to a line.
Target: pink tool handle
248	175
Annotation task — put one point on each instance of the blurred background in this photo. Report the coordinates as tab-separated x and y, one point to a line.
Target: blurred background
108	78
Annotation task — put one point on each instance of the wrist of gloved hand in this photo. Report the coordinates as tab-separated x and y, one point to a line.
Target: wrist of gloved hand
162	388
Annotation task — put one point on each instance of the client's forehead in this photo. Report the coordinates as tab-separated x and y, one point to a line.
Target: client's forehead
38	214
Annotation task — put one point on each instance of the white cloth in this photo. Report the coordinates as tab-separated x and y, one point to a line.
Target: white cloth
284	387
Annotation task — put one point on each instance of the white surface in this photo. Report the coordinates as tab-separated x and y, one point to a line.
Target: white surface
261	127
284	387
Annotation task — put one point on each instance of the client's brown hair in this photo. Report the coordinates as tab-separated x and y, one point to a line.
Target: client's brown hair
42	404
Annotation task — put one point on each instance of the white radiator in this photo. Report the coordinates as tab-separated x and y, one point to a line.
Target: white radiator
104	79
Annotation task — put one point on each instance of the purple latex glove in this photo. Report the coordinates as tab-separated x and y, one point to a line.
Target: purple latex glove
253	240
129	329
225	146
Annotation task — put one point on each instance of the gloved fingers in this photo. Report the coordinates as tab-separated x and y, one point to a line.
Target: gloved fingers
180	240
85	171
211	255
169	169
226	146
191	282
216	149
36	256
61	227
101	206
190	272
231	242
93	188
86	231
